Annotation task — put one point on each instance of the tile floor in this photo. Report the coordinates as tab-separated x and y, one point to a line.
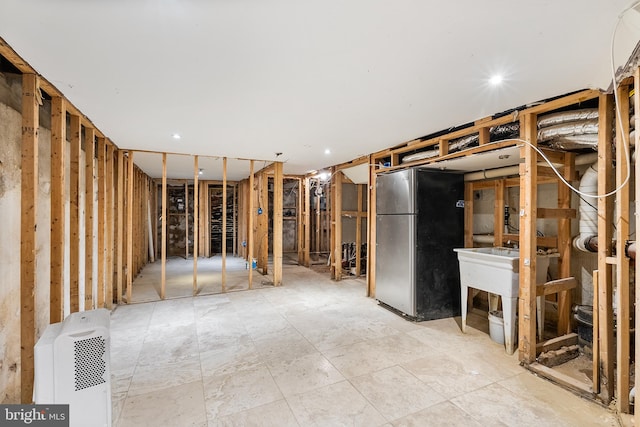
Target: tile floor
316	352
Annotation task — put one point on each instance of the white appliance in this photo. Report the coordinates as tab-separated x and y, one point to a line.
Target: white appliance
72	367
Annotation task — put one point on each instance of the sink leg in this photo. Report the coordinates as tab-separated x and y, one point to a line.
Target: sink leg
464	295
509	316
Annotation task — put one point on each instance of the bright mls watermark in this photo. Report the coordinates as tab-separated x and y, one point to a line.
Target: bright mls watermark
34	415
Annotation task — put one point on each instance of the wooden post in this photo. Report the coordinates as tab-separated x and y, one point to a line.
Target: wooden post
224	224
596	338
89	150
28	222
336	214
101	222
235	219
250	225
564	245
58	148
307	222
622	270
528	242
163	239
196	219
130	268
120	226
74	215
605	234
277	223
109	238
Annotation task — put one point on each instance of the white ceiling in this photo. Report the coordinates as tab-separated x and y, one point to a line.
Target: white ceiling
249	79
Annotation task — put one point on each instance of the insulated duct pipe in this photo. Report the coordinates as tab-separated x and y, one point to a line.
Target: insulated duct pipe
587	240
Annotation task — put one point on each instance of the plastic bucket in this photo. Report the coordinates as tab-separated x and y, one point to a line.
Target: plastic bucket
496	326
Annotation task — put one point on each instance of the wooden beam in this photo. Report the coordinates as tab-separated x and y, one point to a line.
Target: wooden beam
109	237
527	263
278	196
250	225
557	343
74	215
555	286
557	213
163	239
622	235
28	223
120	227
224	224
58	148
102	152
567	381
89	150
605	236
130	272
196	219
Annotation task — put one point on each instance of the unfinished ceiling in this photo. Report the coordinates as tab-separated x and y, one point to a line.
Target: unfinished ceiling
322	82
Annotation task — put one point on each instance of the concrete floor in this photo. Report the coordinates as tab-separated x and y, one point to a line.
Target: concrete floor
317	352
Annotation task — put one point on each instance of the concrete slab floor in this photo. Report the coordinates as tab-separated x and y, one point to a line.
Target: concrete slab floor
317	352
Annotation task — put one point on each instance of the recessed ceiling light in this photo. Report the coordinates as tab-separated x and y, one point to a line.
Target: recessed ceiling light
496	80
200	171
176	136
327	151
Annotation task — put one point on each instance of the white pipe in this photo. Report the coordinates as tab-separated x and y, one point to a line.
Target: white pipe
584	159
632	395
588	211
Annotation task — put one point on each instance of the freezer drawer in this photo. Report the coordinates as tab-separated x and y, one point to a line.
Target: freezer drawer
395	192
395	254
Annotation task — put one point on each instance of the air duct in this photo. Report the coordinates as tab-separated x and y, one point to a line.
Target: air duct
587	240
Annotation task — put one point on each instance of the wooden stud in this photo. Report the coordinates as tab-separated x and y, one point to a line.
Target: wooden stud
74	215
358	229
564	241
101	221
250	225
307	222
224	224
605	184
120	226
89	150
527	267
300	223
235	219
336	213
58	148
130	268
28	223
371	231
636	102
318	221
484	136
109	238
262	238
163	239
196	220
595	337
622	271
605	235
468	215
277	223
498	212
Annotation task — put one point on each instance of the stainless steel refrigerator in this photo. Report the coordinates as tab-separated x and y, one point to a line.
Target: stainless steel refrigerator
419	221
